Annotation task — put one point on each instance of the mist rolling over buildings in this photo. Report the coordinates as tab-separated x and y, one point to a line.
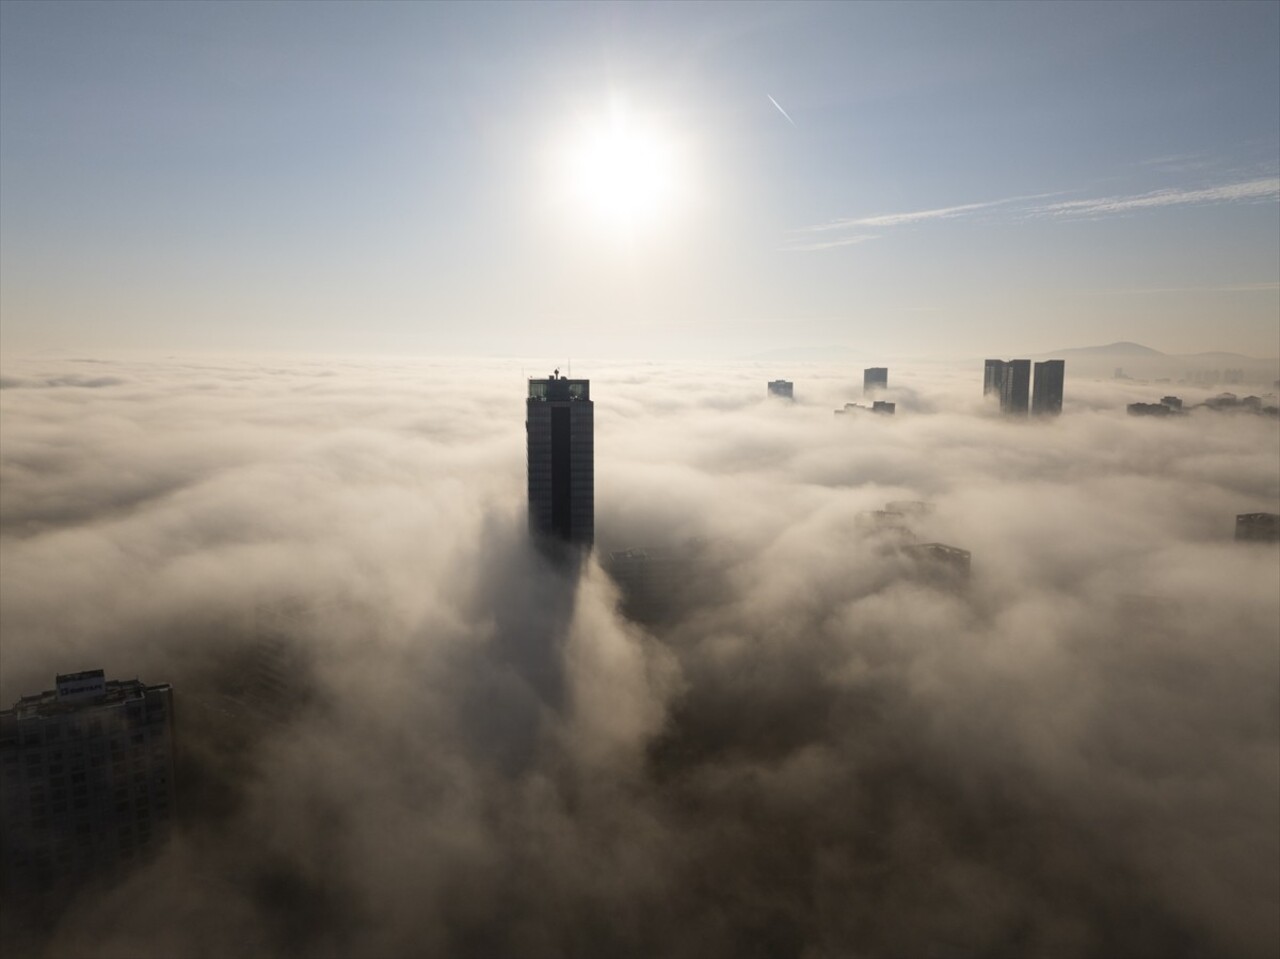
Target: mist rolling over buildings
424	528
816	752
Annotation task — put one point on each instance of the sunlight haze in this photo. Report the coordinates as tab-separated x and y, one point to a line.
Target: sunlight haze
657	180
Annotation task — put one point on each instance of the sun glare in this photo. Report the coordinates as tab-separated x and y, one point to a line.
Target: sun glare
621	171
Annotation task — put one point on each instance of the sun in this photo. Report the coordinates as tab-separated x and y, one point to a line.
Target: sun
621	171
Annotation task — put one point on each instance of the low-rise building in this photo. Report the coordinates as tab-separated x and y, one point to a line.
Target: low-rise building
1258	527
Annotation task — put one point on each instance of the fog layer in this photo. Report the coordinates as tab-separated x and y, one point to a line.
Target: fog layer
809	753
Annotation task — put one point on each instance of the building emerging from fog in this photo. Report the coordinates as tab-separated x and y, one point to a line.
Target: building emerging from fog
993	378
938	564
561	452
875	378
1046	397
784	389
86	780
1258	527
1010	380
1015	388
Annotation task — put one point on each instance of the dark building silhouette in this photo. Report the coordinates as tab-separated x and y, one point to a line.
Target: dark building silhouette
1015	388
878	406
86	781
1046	398
875	378
783	389
993	377
1258	527
939	565
561	452
1173	402
1151	409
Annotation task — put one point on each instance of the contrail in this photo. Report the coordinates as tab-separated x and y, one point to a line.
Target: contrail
780	110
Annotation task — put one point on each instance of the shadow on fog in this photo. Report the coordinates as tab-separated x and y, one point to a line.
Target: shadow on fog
527	595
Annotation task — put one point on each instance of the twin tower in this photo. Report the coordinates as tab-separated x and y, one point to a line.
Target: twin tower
1011	381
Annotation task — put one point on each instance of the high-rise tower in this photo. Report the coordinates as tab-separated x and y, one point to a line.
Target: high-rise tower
561	445
993	377
1015	389
875	378
1046	398
86	781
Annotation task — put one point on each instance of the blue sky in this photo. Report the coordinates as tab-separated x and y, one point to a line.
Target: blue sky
954	179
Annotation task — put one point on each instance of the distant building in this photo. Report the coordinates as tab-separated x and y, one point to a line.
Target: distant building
559	422
879	406
912	507
1258	527
1046	399
1230	403
939	565
1015	390
1173	402
782	388
993	378
86	780
1151	409
1010	380
883	521
875	378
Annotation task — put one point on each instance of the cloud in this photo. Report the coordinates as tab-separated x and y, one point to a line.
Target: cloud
1228	288
830	244
471	751
1018	207
1261	190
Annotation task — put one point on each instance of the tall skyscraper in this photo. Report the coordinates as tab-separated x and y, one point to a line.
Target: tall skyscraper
86	780
559	421
1015	389
993	377
875	378
1046	399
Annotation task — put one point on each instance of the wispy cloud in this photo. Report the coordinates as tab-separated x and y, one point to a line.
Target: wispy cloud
831	244
1248	191
1227	288
917	216
1262	190
780	110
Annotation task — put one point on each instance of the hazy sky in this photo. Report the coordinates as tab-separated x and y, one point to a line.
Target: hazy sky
953	178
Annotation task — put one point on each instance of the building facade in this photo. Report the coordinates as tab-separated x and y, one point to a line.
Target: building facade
1258	527
875	378
783	389
1015	388
559	423
993	378
1046	398
86	781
